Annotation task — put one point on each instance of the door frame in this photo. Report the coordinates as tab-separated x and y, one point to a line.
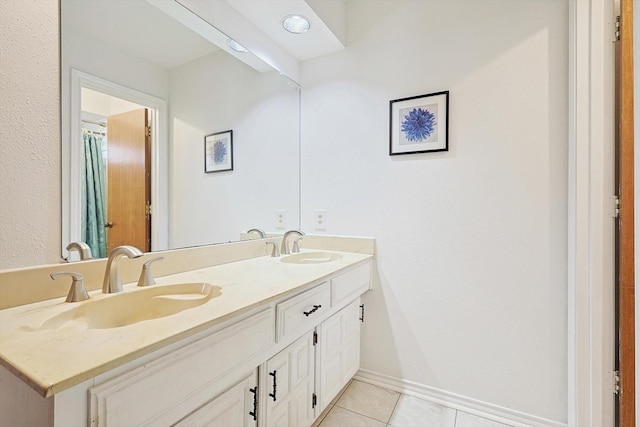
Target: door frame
71	161
590	278
626	331
636	183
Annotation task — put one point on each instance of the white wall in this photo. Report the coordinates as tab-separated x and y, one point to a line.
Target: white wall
29	134
471	243
98	59
218	93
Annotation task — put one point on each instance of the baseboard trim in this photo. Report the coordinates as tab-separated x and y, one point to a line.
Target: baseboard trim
466	404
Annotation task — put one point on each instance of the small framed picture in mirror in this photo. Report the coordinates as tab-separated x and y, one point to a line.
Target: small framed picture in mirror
218	152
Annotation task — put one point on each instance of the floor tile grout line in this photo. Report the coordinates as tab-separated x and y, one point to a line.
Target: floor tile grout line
394	407
358	413
400	394
344	391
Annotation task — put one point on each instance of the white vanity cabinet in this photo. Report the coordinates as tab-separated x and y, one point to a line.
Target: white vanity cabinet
302	379
276	364
299	389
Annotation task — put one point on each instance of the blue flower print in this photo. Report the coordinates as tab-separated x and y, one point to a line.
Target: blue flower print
418	125
219	151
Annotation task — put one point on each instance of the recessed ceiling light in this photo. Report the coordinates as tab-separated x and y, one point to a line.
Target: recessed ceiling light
296	24
236	46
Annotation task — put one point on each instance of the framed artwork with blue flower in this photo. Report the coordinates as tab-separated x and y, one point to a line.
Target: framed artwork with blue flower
419	124
218	152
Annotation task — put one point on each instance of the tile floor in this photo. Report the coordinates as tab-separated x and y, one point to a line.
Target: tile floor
364	405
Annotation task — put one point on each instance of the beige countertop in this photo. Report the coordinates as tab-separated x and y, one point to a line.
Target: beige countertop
53	360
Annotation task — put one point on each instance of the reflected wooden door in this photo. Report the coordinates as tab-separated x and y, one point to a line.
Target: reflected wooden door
128	180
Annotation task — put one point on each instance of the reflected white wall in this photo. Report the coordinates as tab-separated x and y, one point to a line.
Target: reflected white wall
218	93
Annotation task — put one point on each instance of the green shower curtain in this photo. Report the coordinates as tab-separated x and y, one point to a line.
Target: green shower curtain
93	217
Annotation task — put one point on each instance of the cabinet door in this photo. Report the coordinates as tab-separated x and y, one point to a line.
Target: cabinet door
289	385
235	407
339	351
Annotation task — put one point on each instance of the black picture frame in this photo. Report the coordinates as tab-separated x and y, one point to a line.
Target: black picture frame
218	152
419	124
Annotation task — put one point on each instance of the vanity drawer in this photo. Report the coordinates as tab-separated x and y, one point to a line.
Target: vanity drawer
351	284
301	313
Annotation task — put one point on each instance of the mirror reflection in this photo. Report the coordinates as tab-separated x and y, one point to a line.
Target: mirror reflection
140	91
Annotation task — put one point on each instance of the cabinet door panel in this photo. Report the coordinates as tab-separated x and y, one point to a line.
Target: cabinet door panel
339	351
294	382
231	408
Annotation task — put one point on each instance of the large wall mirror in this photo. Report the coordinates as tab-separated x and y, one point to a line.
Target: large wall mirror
153	66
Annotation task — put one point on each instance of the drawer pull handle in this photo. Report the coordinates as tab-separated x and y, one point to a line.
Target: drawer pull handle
362	313
255	402
273	395
313	310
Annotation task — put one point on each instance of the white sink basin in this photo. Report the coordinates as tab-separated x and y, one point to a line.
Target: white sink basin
133	306
310	258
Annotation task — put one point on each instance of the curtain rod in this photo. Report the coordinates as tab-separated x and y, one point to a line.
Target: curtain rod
94	132
104	125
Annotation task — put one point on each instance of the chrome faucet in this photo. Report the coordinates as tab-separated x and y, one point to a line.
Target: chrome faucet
112	281
258	231
83	249
285	245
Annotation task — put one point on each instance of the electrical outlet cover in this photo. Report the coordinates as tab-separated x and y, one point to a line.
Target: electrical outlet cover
281	219
320	220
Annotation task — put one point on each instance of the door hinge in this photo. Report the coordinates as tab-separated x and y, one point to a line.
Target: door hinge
361	313
147	209
314	400
615	207
147	131
616	382
618	26
315	338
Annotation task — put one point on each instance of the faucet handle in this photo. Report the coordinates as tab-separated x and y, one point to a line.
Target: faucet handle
77	292
146	279
274	251
296	246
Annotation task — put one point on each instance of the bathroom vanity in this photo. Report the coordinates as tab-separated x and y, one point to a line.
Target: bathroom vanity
263	342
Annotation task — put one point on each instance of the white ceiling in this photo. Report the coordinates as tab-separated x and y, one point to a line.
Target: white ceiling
143	30
137	28
267	15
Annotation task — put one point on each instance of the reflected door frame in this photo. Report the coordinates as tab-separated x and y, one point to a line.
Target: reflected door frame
72	159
